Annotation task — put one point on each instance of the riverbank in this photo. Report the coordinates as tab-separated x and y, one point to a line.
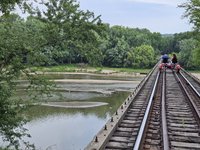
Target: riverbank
76	68
93	73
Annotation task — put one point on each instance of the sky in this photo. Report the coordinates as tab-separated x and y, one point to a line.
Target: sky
162	16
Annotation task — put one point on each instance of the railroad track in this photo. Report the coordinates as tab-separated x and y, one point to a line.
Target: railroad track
163	113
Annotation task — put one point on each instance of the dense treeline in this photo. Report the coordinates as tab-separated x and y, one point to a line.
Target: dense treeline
185	45
54	40
65	34
61	34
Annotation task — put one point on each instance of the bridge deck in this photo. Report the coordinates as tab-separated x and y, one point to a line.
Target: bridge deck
162	113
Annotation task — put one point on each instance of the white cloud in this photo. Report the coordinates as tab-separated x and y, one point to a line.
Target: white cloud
164	2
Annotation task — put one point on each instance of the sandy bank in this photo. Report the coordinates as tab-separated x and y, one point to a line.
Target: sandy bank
104	73
74	104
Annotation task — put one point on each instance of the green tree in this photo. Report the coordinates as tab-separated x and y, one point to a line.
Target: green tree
167	44
132	37
192	11
196	55
143	56
187	52
6	6
116	56
71	33
18	41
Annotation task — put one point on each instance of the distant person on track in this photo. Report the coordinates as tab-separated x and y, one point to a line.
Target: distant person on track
174	59
165	58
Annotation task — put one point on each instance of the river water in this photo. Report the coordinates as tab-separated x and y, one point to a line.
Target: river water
57	128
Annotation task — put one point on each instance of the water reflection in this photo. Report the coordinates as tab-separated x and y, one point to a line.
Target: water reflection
69	129
64	132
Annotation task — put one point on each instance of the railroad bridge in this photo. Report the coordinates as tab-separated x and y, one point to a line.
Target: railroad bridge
162	113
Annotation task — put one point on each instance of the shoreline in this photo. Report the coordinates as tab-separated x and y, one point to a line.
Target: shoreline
104	73
93	81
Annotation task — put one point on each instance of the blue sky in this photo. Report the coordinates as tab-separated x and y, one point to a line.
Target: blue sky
156	15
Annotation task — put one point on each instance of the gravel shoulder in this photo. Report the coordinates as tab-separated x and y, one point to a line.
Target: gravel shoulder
196	75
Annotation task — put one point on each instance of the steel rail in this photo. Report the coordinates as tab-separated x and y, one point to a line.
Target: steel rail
194	89
191	75
102	137
164	120
146	116
189	97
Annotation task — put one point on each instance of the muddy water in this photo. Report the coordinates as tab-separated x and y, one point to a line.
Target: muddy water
54	128
69	129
